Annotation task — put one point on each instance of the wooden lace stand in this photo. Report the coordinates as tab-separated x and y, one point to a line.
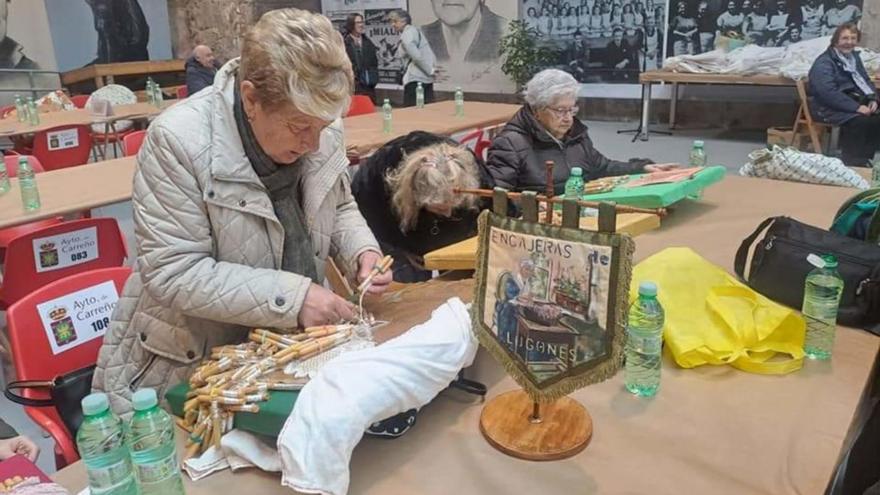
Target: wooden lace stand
514	422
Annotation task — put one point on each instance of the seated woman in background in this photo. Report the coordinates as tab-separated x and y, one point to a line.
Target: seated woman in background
545	128
405	192
841	93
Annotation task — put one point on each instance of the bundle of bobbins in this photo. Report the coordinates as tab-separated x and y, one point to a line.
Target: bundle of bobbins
238	377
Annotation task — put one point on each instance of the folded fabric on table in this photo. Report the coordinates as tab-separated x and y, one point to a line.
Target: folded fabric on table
798	166
713	318
362	387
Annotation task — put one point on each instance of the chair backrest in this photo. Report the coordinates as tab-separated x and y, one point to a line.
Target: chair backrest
360	105
481	148
801	85
475	136
46	255
59	329
182	92
57	148
6	110
12	164
131	143
79	101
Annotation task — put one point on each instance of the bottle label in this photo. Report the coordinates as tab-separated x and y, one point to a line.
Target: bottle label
107	479
156	471
644	345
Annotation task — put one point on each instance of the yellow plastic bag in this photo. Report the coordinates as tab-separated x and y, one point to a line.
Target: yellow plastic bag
712	318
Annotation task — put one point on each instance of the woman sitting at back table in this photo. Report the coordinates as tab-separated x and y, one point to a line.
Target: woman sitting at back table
546	129
405	192
841	93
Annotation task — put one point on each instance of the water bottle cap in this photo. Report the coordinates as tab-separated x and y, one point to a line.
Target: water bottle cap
698	144
830	260
577	171
648	289
386	101
144	399
93	404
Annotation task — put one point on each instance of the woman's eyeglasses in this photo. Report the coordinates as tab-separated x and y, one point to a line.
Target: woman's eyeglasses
564	112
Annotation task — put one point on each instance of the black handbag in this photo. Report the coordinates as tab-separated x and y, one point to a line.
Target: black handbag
65	394
779	268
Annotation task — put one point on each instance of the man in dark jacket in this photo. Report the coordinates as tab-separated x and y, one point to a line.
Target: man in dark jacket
362	53
546	129
620	57
200	69
841	93
123	32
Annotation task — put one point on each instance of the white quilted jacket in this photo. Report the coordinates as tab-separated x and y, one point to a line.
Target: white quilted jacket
209	245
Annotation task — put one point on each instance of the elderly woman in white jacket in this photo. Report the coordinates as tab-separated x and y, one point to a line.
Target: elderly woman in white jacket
240	196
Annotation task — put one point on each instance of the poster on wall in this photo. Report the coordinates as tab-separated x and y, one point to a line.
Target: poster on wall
25	44
601	40
465	36
697	26
378	29
86	32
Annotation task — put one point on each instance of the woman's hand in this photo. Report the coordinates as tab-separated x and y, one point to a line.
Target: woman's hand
872	106
20	445
661	167
864	110
323	307
366	262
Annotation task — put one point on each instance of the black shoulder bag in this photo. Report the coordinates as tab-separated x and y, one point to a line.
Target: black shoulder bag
65	394
779	268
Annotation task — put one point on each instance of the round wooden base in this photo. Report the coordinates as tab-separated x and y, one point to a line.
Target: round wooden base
564	429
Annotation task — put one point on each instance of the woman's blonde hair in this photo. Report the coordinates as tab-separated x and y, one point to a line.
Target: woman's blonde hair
428	177
296	56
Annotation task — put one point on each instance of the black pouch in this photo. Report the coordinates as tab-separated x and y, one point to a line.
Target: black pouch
65	394
779	268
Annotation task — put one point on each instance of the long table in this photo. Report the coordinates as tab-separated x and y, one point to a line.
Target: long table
81	116
709	430
90	186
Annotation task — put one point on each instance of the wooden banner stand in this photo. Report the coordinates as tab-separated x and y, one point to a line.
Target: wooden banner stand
514	423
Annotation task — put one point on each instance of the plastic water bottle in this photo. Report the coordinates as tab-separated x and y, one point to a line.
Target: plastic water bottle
875	173
101	444
4	178
157	95
21	111
698	155
27	182
32	112
386	116
574	186
150	90
821	300
459	102
644	339
420	96
151	440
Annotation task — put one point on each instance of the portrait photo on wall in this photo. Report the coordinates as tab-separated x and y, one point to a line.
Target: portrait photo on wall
549	301
699	26
465	36
601	40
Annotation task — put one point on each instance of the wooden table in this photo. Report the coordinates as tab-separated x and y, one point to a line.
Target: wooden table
462	255
73	189
104	73
362	133
710	430
81	116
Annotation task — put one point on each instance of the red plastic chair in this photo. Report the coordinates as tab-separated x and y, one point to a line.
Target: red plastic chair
12	164
480	145
69	157
9	233
79	101
131	143
21	276
182	92
361	105
33	357
4	111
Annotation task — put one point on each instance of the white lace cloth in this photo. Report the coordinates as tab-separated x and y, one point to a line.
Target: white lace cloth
116	94
797	166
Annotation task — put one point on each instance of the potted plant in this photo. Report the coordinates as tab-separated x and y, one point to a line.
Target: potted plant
523	53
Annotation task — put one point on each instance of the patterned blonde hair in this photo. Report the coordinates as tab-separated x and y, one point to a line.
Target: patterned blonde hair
296	56
428	177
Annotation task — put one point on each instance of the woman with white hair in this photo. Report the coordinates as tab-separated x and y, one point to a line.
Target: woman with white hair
240	196
405	192
546	128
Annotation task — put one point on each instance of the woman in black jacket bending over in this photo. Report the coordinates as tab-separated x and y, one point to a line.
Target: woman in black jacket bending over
546	128
405	192
362	53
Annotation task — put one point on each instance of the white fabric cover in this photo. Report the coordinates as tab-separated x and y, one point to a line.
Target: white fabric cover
797	166
362	387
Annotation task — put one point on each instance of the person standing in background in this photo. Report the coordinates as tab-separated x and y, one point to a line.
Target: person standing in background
756	21
812	12
731	20
201	67
123	32
684	27
706	28
418	58
362	53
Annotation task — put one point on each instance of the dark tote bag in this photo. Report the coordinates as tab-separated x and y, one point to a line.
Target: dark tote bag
65	394
779	268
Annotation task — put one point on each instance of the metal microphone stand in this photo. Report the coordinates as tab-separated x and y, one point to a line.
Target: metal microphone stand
639	131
